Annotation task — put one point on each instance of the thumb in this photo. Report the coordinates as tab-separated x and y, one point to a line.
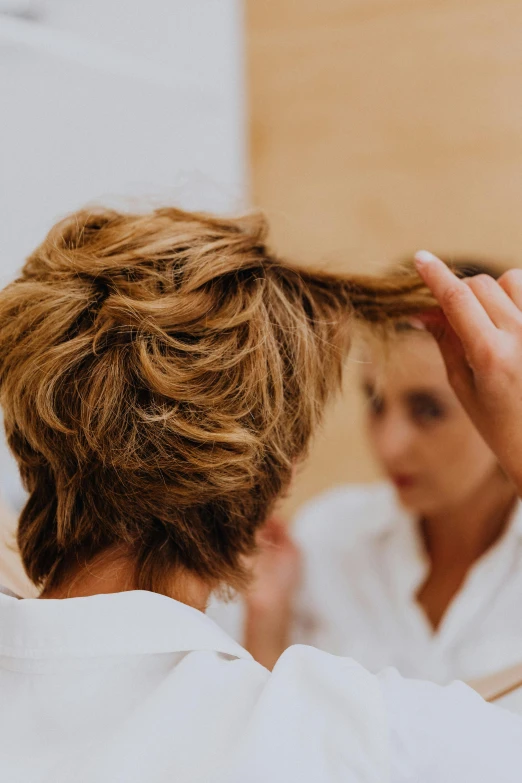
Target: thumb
458	369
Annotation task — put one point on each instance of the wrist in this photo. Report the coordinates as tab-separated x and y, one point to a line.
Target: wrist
261	606
267	630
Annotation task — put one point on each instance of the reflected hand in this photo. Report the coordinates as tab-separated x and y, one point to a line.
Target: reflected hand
479	333
276	569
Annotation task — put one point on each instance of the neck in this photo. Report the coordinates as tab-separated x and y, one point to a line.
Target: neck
465	532
114	572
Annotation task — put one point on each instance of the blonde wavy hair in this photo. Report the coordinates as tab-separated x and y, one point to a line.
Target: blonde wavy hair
160	375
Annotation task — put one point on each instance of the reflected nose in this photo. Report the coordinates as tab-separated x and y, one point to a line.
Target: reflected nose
393	439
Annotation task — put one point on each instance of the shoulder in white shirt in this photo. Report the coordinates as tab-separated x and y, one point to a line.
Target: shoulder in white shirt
369	509
364	563
137	687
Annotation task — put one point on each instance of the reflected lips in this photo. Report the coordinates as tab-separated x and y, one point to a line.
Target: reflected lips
403	481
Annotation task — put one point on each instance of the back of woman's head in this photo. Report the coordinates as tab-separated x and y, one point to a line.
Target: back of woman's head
160	374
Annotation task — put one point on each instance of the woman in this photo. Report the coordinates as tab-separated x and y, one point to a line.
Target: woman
160	376
423	573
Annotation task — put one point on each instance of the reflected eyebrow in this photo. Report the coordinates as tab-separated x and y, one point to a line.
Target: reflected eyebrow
421	395
420	392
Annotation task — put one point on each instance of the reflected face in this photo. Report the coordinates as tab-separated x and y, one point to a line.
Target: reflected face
419	431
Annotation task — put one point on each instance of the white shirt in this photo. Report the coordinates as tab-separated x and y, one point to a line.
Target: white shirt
138	688
364	563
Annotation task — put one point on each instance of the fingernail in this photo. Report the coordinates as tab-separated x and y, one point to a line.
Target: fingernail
424	257
416	323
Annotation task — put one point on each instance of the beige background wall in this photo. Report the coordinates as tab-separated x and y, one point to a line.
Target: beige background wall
379	127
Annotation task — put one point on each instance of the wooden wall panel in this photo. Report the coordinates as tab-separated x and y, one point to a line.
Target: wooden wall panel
378	127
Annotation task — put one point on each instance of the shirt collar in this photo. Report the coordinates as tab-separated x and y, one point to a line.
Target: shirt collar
406	554
409	565
134	622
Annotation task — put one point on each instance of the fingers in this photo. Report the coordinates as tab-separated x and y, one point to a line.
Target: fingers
496	300
511	283
501	301
464	312
458	370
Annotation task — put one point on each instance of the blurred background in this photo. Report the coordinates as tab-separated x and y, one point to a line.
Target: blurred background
378	127
364	128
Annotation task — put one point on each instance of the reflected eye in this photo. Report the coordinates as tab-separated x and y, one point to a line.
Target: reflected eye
375	401
426	408
376	404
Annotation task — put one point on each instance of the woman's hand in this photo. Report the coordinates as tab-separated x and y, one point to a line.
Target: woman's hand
276	569
269	600
479	333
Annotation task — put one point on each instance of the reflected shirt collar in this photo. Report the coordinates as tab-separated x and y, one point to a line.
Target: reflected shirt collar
408	553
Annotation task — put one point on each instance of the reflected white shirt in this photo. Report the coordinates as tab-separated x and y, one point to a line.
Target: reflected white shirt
136	687
364	563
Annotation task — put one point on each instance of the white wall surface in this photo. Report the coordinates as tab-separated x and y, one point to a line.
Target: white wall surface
109	98
104	99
